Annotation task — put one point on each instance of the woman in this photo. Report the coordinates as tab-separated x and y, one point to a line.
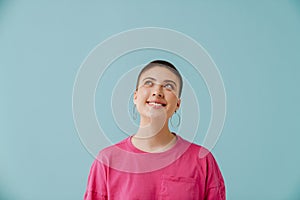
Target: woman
155	163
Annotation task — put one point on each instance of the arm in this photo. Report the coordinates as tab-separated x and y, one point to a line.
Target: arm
215	187
96	186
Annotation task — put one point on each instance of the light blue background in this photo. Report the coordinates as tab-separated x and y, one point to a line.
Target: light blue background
255	45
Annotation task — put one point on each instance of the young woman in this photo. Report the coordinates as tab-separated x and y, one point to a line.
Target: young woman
155	163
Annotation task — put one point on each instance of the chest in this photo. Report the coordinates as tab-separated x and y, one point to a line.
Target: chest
181	180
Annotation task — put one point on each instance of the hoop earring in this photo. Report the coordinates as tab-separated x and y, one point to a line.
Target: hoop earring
134	112
179	120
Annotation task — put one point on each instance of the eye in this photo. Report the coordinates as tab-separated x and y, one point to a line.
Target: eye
169	86
148	83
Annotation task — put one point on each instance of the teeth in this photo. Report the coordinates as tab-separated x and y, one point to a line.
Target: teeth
155	104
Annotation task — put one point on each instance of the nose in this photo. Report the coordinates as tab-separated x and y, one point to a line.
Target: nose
157	91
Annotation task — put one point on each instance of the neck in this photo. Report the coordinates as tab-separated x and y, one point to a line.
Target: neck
155	137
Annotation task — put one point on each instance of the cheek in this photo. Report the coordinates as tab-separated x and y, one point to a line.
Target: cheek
144	92
172	99
142	95
171	95
174	94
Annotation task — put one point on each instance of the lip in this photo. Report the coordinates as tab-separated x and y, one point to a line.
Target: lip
156	103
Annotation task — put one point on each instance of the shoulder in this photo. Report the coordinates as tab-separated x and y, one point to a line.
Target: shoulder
114	151
197	150
122	144
199	155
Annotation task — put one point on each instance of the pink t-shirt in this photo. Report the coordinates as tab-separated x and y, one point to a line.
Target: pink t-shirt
185	172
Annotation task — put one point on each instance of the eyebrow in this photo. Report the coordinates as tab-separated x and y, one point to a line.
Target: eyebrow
165	81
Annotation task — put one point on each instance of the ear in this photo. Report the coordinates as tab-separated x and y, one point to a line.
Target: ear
178	104
134	96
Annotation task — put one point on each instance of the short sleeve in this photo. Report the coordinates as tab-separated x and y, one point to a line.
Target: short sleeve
96	186
215	187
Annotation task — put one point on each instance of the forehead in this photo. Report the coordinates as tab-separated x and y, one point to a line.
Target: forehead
160	74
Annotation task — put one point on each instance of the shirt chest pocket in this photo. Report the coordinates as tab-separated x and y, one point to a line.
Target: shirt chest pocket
179	188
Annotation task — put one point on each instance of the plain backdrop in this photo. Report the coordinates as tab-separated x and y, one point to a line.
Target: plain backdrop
255	45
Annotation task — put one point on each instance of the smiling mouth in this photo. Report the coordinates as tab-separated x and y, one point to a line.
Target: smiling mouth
156	104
